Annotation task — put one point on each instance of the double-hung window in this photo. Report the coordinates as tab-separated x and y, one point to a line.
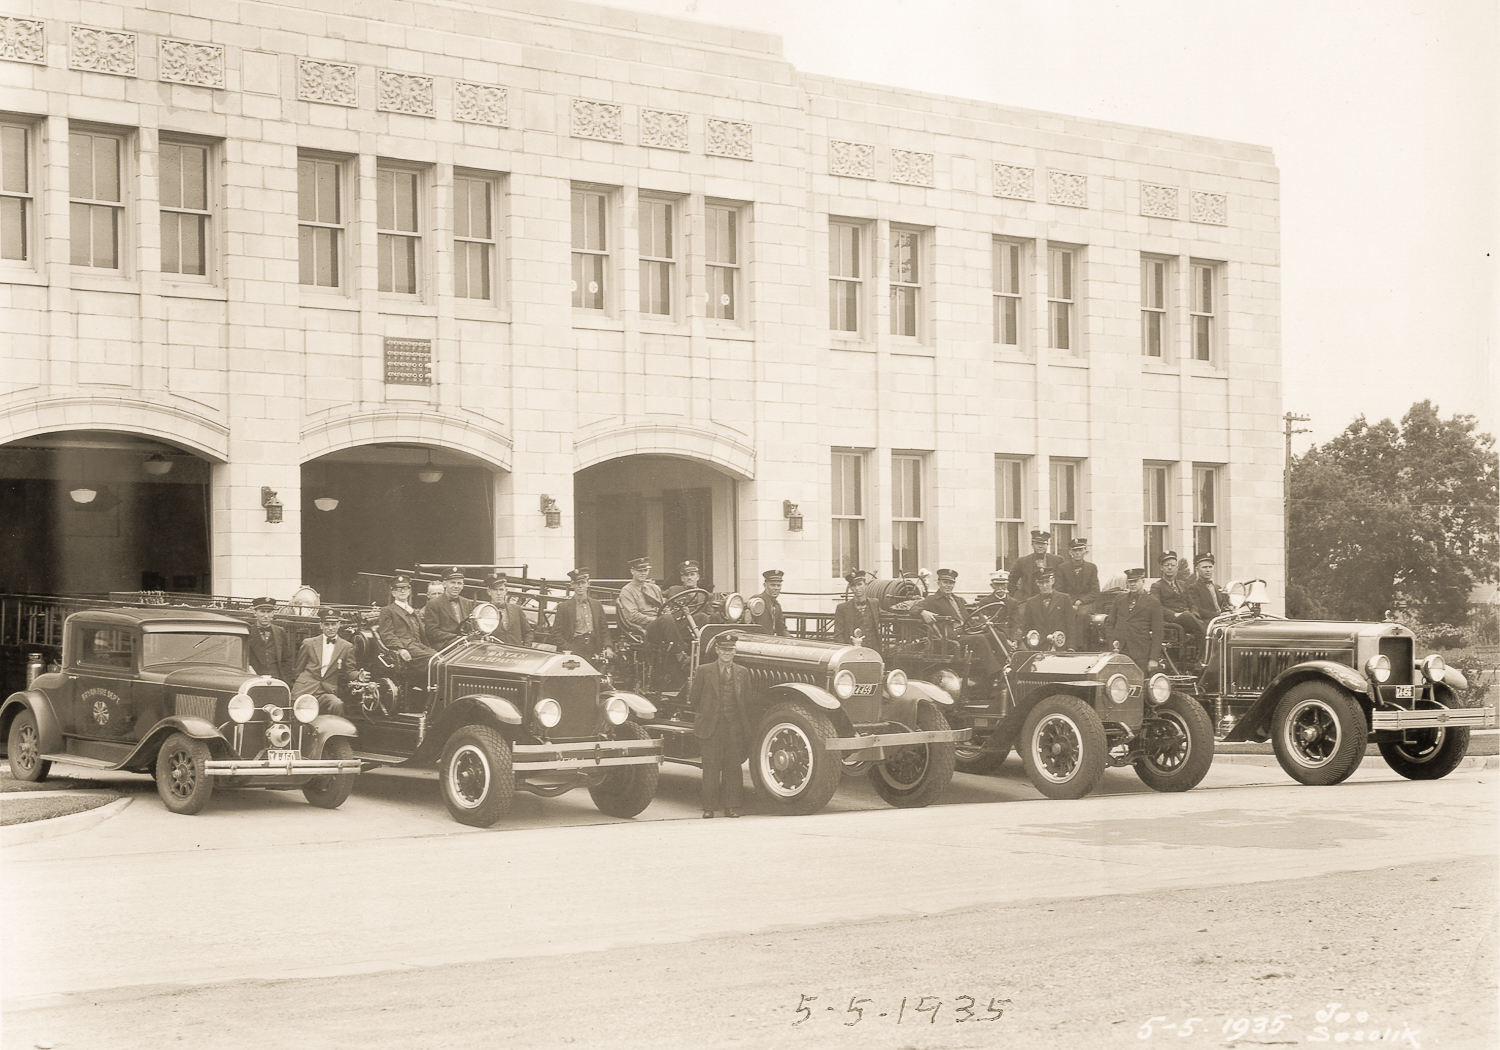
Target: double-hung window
906	513
1060	303
398	228
1156	484
845	276
96	197
1064	478
474	240
722	252
185	204
1010	514
590	248
1153	306
1205	510
17	198
848	510
320	221
1204	304
906	281
1005	276
658	256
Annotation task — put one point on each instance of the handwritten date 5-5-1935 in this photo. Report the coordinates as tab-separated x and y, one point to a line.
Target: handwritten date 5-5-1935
924	1010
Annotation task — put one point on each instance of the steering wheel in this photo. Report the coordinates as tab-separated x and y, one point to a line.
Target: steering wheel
691	603
986	617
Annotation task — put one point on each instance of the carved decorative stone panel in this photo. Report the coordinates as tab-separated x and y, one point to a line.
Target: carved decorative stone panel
1016	182
728	138
664	129
22	40
1209	207
854	159
481	104
912	168
404	93
101	51
1066	188
185	62
331	82
1159	202
597	120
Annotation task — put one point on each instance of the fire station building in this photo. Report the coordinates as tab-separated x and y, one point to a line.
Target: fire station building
291	291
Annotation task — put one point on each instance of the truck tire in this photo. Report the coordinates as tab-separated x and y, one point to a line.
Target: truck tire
330	792
477	777
1319	733
24	749
790	765
973	758
181	778
915	775
1430	755
1063	747
1177	745
626	790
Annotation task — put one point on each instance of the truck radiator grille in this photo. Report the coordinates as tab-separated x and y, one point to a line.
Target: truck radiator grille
1251	670
1398	651
766	677
579	697
189	706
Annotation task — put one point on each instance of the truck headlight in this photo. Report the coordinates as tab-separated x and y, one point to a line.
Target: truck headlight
1117	688
895	683
843	684
616	710
241	707
1379	667
486	617
1033	639
1433	668
1161	689
548	712
305	708
734	607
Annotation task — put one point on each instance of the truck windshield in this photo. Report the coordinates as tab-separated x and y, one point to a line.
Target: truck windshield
193	648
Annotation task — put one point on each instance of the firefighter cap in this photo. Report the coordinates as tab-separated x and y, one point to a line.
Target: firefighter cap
454	573
774	575
1206	556
497	579
947	575
1135	574
580	573
1037	535
263	603
640	563
1080	544
329	616
999	576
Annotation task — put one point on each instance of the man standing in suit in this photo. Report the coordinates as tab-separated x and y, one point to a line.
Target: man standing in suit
324	664
579	626
271	649
1047	611
1023	574
444	615
858	615
400	628
515	628
765	607
1205	596
1172	595
1135	623
718	694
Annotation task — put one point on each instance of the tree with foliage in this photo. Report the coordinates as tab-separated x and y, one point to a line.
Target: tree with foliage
1384	517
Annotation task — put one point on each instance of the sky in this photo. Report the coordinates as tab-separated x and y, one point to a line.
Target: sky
1383	117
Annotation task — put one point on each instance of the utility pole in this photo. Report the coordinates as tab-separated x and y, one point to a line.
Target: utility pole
1286	499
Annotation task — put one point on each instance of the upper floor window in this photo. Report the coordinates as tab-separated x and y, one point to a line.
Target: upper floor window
1153	305
906	281
658	255
320	221
185	204
1005	275
590	248
906	513
722	250
1010	513
1060	302
1156	479
845	276
474	240
17	200
397	222
1064	477
1205	302
848	510
1205	510
96	197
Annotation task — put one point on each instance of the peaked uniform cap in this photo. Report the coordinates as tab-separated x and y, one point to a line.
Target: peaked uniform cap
950	575
263	603
454	573
580	573
638	563
774	575
1135	574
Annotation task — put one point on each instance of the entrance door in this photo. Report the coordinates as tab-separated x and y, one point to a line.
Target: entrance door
620	536
687	531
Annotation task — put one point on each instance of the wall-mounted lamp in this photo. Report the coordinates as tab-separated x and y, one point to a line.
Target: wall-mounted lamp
157	465
271	503
429	475
792	515
551	513
326	503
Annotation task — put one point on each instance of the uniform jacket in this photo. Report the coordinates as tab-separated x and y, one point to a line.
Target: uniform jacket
277	658
940	604
720	713
1046	613
1172	595
311	678
515	628
1208	600
771	616
1024	572
850	616
565	627
1079	579
441	618
399	629
1135	622
1006	619
639	605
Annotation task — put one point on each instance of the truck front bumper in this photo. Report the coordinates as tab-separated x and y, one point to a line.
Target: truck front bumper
584	755
876	743
1431	718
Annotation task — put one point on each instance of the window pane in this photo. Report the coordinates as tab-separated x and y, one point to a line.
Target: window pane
328	193
80	168
13	168
12	228
385	200
903	311
1007	543
848	497
106	168
588	221
171	261
906	485
193	240
1201	331
194	163
588	281
843	305
904	245
105	246
721	293
722	246
904	553
171	175
843	251
1203	540
1152	336
656	288
1205	284
1061	337
656	229
1204	479
1060	274
461	220
317	256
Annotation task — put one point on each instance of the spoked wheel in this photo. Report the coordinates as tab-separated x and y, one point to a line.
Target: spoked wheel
914	775
330	792
1177	745
477	776
24	749
1319	733
1427	754
789	762
1063	747
182	778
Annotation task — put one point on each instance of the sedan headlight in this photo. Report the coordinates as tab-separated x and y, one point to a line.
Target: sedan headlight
241	707
843	684
548	712
1434	667
1379	667
1161	689
616	710
1117	688
305	708
1033	639
486	617
895	684
734	607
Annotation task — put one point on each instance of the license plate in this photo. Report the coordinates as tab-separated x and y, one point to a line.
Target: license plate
283	756
1406	692
865	690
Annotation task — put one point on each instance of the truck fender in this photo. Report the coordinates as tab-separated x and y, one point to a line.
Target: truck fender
1453	678
639	706
920	690
822	697
326	727
1251	726
48	729
144	754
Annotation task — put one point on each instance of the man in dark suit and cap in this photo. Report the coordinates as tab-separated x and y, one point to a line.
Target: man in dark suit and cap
1172	594
1205	596
444	615
1023	574
858	616
688	575
1047	611
400	628
765	607
944	602
324	664
639	605
579	625
271	650
515	628
719	694
1135	623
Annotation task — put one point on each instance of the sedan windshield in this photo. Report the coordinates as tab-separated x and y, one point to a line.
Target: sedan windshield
193	648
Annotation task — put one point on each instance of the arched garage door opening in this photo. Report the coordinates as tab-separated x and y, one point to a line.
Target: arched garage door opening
378	508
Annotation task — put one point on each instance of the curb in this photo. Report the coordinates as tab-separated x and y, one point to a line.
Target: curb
52	827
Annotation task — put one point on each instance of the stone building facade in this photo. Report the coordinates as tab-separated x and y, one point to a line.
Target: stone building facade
626	283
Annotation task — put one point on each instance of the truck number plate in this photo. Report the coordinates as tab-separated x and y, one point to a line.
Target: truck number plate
865	690
283	756
1405	692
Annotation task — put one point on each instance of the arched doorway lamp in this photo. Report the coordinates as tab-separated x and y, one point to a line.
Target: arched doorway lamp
83	493
429	475
157	465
